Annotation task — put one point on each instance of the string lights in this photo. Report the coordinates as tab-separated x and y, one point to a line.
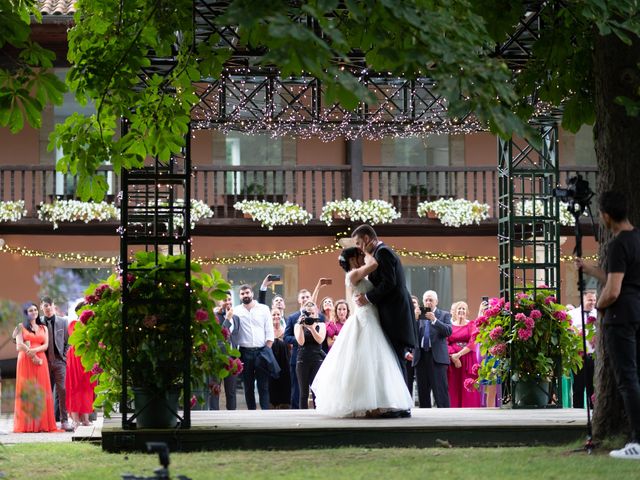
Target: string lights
272	256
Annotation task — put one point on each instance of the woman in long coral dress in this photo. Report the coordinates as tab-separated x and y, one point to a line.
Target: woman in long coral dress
462	351
79	386
34	401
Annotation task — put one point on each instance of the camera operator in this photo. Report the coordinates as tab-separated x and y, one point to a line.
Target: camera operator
310	332
620	300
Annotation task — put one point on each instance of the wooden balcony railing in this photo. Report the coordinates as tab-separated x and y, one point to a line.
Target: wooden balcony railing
309	186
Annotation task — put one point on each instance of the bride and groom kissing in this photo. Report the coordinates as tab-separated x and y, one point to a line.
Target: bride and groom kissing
363	373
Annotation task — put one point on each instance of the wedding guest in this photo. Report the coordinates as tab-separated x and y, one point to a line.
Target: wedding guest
431	357
33	411
289	337
462	351
280	388
583	379
277	301
78	385
58	331
310	332
227	319
337	320
256	333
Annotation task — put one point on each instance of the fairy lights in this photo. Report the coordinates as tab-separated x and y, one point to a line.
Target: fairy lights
272	256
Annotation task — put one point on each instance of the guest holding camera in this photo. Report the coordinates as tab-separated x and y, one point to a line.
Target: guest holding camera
310	332
462	351
431	356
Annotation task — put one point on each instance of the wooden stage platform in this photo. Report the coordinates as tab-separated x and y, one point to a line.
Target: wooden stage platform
296	429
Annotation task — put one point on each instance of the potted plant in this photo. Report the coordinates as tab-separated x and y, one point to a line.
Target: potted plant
12	211
154	333
455	212
531	342
271	214
362	211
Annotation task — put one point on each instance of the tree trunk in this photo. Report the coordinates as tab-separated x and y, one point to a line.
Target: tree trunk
617	143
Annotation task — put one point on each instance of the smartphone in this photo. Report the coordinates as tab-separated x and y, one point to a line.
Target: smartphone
274	278
424	310
326	281
485	299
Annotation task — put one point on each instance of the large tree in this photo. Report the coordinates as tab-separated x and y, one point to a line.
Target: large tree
584	60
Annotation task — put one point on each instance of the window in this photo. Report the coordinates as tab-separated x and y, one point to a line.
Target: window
429	151
436	278
253	276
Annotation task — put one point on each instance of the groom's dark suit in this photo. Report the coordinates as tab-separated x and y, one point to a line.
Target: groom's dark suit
393	300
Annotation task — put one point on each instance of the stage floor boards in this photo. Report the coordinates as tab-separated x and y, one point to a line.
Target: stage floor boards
295	429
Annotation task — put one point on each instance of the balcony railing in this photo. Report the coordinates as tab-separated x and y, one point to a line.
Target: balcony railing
309	186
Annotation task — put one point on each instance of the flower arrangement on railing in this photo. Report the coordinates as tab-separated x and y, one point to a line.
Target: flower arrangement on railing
368	211
77	211
199	211
526	339
12	211
526	208
271	214
455	212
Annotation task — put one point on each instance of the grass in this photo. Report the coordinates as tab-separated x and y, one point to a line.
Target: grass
85	461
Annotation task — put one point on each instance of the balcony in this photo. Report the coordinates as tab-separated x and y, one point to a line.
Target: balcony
309	186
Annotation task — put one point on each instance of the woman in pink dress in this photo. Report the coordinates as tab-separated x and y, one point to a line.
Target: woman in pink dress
462	351
339	315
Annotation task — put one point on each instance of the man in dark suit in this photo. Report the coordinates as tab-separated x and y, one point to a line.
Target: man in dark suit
390	295
58	329
431	356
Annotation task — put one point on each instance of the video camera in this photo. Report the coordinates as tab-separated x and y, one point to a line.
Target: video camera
576	193
307	318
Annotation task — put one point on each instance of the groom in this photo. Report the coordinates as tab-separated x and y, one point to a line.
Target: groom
391	296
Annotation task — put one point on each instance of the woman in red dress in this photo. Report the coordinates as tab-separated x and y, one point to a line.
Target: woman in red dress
462	351
34	402
78	385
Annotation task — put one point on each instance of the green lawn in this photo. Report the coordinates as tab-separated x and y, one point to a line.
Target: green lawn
83	461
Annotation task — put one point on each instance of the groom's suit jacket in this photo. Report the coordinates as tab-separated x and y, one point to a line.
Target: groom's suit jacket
390	295
59	335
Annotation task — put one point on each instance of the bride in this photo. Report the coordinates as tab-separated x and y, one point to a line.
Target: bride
360	375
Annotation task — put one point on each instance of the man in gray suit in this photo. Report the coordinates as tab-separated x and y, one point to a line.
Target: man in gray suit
58	328
431	356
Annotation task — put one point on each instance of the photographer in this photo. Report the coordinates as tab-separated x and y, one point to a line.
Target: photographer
310	332
620	300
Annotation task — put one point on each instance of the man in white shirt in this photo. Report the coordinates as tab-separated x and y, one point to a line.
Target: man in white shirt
580	380
255	334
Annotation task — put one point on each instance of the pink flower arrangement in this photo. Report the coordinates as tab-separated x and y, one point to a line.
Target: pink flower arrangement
591	320
203	348
470	384
535	314
85	316
524	334
96	370
101	345
234	366
475	368
560	315
550	299
498	350
496	333
226	333
202	315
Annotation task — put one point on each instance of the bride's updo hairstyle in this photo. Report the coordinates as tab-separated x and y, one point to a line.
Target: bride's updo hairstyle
346	255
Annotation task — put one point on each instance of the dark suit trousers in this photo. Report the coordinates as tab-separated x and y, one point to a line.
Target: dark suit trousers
230	386
431	376
579	383
57	374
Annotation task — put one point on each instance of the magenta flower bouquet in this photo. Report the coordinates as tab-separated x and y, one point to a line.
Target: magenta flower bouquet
532	339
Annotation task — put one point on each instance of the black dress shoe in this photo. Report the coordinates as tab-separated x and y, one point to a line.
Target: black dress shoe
396	414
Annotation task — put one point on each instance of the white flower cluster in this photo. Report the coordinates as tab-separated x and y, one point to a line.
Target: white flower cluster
455	212
12	211
565	217
199	210
370	211
77	211
270	214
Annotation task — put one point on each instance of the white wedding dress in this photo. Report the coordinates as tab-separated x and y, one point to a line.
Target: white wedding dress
361	371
